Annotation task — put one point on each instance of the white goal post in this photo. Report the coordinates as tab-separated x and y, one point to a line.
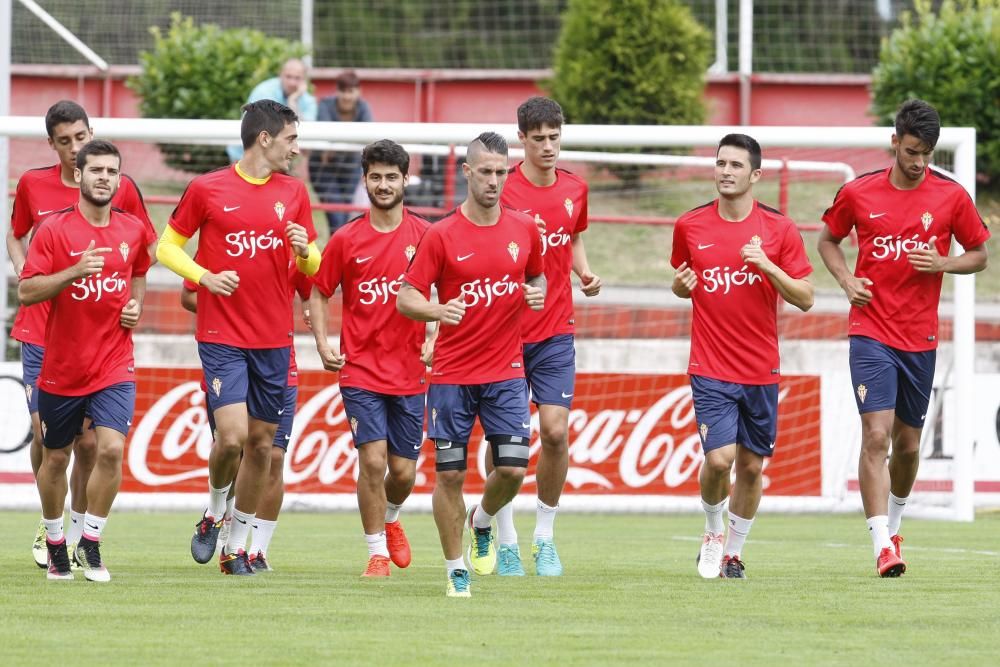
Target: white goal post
960	141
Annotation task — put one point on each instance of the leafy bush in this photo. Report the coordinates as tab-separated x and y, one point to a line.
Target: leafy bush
952	60
204	72
631	62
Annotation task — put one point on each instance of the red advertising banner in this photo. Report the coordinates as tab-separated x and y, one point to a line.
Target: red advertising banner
628	434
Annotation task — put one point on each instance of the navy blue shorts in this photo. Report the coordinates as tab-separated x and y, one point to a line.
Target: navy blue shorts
885	378
550	367
62	416
502	408
283	435
31	367
728	413
399	420
257	377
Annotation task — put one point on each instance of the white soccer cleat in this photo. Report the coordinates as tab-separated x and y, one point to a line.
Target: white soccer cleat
710	556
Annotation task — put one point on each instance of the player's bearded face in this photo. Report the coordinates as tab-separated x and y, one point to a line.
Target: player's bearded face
912	156
385	185
734	175
99	179
67	139
486	178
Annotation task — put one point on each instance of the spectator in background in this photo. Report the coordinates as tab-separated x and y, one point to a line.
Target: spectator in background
290	88
334	174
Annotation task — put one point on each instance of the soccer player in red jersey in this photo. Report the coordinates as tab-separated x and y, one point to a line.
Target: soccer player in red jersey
485	259
253	219
40	192
379	360
557	199
735	258
905	217
90	261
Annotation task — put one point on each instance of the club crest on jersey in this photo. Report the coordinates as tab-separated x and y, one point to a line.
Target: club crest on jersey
217	386
703	429
513	249
862	392
756	240
569	206
927	220
354	425
410	251
279	209
123	249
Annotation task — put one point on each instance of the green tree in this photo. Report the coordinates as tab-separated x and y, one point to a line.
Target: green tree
631	62
951	59
203	71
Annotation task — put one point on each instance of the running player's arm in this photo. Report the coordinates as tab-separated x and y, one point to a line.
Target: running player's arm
302	237
16	251
20	226
189	297
590	283
325	283
132	202
170	253
38	285
535	283
788	272
424	271
685	279
839	221
133	309
430	339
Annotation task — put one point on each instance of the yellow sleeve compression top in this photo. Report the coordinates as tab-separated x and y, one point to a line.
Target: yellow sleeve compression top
310	264
170	253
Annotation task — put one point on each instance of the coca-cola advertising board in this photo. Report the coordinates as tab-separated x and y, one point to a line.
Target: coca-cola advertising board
628	434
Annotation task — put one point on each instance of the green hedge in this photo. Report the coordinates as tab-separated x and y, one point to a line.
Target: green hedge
950	58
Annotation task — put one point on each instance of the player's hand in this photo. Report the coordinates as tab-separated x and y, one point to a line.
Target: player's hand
590	284
307	317
91	261
754	254
927	260
427	351
533	296
298	238
130	314
452	312
332	360
223	283
857	291
540	224
685	280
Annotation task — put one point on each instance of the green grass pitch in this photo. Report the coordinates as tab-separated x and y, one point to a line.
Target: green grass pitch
630	594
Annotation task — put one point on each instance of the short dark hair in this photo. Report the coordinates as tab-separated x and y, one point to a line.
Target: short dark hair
537	111
348	79
385	151
747	143
97	147
918	119
491	142
64	111
264	116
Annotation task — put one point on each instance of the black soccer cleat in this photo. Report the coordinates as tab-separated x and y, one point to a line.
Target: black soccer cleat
58	561
258	562
732	568
206	533
237	563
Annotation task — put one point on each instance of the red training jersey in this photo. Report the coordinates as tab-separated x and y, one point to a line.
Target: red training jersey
562	206
734	326
241	228
41	192
486	267
381	345
890	223
86	347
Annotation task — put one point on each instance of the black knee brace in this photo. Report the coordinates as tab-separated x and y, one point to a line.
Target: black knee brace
509	450
449	455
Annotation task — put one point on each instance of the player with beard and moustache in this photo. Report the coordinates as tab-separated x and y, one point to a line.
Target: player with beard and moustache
379	360
253	220
735	258
41	192
90	261
905	217
486	261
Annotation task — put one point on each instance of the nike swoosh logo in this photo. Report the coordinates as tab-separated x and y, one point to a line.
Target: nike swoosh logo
362	260
872	216
240	520
565	395
705	246
78	252
526	210
288	437
90	525
281	411
229	209
128	423
523	425
41	213
462	258
417	448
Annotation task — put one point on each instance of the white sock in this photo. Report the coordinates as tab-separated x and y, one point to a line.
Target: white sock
713	517
239	531
480	519
896	507
263	531
230	504
217	501
93	526
392	512
739	528
506	532
545	517
377	545
457	564
54	530
878	527
75	527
